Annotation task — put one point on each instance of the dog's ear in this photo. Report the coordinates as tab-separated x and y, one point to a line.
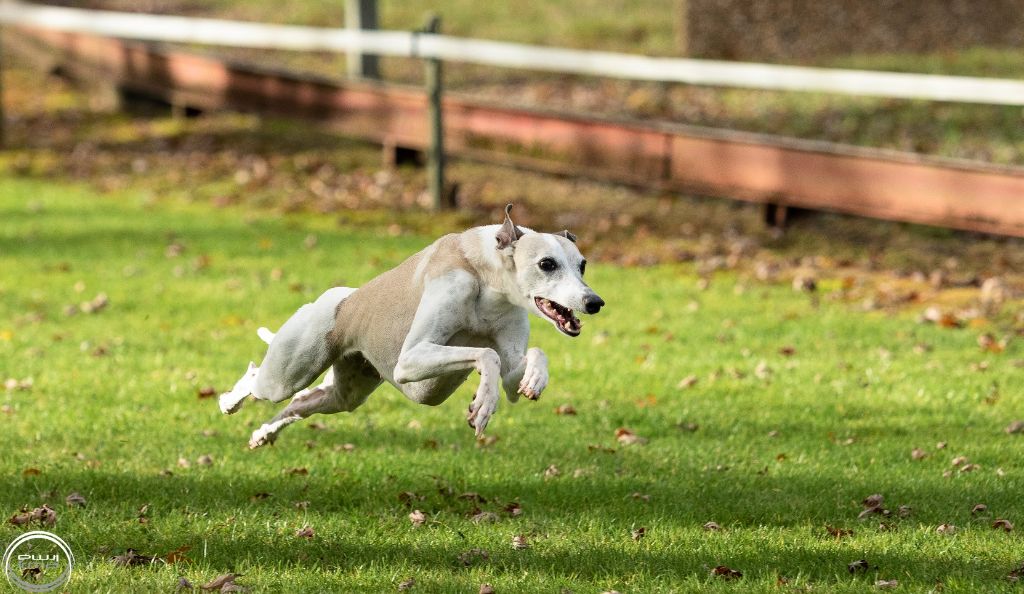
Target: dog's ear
566	234
509	233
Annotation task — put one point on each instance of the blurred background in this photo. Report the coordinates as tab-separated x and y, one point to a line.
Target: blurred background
151	135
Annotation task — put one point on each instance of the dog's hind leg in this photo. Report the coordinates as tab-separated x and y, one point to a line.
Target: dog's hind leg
301	350
353	379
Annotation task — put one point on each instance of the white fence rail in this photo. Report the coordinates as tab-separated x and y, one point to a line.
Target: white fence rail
514	55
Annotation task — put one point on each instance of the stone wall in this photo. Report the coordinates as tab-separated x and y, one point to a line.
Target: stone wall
800	29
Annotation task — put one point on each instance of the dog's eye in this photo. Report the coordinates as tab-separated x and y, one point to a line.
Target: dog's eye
547	264
583	267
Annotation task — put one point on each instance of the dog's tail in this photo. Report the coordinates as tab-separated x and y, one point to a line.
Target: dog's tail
265	334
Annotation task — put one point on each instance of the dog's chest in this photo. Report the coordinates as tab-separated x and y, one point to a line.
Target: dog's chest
490	315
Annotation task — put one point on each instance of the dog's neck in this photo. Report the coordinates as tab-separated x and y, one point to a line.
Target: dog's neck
494	267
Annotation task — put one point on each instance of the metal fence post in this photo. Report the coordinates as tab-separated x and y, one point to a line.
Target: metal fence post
361	15
435	152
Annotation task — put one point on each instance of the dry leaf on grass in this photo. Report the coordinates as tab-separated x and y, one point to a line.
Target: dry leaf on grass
726	573
838	532
979	509
206	392
638	533
1003	524
565	409
177	555
305	532
626	437
296	471
887	584
204	460
947	529
860	565
484	517
417	517
406	584
687	382
552	472
513	509
183	584
1015	427
486	589
220	581
520	542
918	454
712	526
467	558
132	558
74	499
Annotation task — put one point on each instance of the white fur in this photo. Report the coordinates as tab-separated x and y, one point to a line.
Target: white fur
492	301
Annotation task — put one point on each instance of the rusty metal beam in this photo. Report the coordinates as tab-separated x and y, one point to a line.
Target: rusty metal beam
757	168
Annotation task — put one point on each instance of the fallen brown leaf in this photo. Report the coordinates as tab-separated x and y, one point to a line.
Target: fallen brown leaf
177	555
205	460
183	584
565	409
712	526
220	581
486	589
520	542
484	517
417	517
513	509
947	529
132	558
626	437
860	565
406	584
1003	524
74	499
305	532
918	454
467	558
838	532
552	472
638	533
296	471
726	573
687	382
1015	427
206	392
887	584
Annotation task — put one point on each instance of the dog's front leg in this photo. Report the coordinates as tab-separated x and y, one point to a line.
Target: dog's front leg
441	313
427	360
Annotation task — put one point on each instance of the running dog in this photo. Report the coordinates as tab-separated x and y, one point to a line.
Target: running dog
459	305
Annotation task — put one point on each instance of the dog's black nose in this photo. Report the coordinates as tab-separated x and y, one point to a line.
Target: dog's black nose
593	304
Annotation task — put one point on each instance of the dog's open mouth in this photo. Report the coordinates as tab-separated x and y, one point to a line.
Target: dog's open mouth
560	315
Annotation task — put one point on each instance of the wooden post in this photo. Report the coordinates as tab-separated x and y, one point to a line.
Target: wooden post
361	15
435	152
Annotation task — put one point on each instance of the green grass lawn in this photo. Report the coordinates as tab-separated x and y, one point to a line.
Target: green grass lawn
772	452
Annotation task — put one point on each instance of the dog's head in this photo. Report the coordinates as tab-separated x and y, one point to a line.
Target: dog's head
548	270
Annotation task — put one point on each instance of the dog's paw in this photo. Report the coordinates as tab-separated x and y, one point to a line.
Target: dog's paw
535	378
265	435
230	402
482	409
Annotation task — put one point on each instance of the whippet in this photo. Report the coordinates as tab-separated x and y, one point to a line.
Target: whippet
459	305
